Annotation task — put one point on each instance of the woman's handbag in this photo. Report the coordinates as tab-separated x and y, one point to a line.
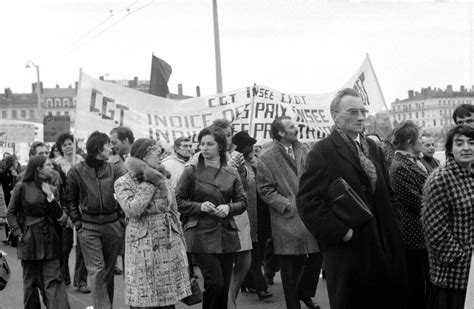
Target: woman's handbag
4	271
196	295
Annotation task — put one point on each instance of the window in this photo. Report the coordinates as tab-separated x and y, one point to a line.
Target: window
423	115
50	113
49	102
58	113
424	123
399	116
57	102
416	114
14	113
23	113
66	102
441	112
434	123
66	113
4	114
409	116
32	113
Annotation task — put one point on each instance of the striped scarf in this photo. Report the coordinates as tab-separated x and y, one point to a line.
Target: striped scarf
362	153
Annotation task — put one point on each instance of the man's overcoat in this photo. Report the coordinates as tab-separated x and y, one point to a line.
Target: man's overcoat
369	270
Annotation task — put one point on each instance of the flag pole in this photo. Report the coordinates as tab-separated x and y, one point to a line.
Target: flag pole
217	48
74	147
378	85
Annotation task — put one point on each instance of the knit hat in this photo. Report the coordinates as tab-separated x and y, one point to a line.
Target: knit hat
141	147
242	139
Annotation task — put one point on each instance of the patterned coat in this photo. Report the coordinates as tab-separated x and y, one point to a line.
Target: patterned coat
447	217
408	180
156	272
277	183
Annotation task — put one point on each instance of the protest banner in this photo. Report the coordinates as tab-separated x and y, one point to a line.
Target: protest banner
54	126
17	131
253	108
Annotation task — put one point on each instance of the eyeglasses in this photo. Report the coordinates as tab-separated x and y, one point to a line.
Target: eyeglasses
355	112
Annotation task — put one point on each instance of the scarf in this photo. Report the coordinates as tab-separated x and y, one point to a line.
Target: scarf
183	158
362	153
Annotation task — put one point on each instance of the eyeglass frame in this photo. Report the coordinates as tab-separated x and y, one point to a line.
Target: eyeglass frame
352	112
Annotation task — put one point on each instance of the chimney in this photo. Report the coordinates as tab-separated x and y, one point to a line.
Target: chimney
410	94
180	89
198	91
449	88
424	91
463	89
8	93
101	77
57	86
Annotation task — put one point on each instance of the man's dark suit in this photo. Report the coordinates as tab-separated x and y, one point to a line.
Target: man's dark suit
368	271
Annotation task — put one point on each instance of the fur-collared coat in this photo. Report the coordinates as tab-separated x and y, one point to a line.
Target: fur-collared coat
277	184
156	267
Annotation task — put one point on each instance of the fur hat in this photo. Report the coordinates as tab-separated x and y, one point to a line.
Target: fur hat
242	139
141	147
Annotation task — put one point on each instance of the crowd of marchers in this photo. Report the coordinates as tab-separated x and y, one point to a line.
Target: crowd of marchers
241	212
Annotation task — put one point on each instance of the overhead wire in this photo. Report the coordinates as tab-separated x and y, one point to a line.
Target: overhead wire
89	34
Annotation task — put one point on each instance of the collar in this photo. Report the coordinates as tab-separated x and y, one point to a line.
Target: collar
357	139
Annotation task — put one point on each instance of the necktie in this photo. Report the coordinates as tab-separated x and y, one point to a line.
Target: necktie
290	152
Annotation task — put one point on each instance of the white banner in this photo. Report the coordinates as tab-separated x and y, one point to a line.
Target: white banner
103	105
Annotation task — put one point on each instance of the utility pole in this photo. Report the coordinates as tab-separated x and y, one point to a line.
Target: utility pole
217	48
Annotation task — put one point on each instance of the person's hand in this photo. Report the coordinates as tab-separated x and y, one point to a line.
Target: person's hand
208	207
20	238
348	235
222	211
69	224
46	189
239	160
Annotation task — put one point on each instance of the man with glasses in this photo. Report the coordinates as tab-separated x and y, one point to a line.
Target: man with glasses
95	213
365	264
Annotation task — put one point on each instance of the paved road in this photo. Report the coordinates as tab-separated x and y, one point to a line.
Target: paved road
12	296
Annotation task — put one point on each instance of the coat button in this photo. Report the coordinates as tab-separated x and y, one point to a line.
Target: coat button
364	188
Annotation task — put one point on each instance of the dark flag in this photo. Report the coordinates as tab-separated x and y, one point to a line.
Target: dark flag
160	75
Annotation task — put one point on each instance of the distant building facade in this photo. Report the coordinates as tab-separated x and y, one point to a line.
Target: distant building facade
431	109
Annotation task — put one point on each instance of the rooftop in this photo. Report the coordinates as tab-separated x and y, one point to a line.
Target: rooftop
430	93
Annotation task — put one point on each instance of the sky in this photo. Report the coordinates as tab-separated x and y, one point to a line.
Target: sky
295	46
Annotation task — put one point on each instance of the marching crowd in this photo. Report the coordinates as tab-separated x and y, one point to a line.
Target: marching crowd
240	213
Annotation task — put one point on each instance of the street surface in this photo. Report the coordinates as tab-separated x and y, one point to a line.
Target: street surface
12	296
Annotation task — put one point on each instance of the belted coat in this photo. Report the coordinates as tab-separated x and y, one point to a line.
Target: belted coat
206	233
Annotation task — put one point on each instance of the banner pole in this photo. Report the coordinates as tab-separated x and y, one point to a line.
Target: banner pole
252	108
74	142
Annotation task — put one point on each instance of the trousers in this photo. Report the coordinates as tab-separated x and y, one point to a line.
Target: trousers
100	244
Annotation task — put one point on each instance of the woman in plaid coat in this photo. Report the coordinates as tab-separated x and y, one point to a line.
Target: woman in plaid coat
447	218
